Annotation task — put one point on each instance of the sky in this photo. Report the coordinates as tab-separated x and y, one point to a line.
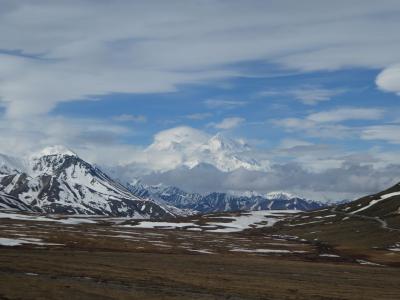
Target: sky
313	87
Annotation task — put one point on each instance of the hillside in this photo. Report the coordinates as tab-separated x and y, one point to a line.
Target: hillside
369	226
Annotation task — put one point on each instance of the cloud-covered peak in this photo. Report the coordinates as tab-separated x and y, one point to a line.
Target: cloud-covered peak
177	138
189	147
221	143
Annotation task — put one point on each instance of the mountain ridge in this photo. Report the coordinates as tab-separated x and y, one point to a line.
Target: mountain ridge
222	202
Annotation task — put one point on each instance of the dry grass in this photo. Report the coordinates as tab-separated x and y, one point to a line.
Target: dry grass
105	261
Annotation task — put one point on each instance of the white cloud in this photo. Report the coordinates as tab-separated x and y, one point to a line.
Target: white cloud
389	79
346	114
228	123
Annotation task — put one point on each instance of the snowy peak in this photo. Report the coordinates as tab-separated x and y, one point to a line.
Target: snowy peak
57	150
50	160
281	195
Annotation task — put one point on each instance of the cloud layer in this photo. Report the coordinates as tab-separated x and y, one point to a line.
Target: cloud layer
53	52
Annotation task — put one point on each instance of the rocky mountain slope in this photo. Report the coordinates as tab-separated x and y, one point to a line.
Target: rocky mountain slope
385	204
56	180
218	202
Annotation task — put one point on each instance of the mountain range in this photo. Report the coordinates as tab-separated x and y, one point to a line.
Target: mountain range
218	202
56	180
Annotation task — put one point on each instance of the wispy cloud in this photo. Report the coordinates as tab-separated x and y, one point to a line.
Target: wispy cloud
228	123
328	124
198	116
130	118
223	104
346	114
389	133
306	94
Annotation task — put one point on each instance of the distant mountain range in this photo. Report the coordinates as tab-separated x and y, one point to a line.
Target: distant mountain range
217	202
55	180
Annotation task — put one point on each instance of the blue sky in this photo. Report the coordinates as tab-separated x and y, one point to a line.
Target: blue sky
310	85
259	100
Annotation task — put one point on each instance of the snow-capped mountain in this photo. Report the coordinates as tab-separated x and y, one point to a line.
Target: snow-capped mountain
56	180
185	146
217	202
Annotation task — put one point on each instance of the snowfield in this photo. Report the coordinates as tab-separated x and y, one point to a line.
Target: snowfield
229	222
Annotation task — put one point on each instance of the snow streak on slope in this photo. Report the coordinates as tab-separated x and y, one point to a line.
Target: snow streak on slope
8	202
380	205
375	201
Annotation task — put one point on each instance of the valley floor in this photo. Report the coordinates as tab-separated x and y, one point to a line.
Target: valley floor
78	258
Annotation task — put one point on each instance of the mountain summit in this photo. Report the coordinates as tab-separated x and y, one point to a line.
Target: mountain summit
54	150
